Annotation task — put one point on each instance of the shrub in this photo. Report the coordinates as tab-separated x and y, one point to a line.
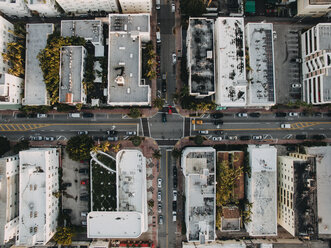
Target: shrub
134	113
136	140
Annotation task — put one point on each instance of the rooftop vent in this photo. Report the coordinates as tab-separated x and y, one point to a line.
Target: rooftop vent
119	80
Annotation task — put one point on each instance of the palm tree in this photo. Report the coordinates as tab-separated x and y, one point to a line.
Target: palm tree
158	102
116	147
96	148
105	146
157	154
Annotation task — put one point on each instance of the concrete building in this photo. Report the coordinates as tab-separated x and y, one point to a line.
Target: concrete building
9	198
131	218
231	83
323	174
14	8
297	194
6	30
200	57
10	89
136	6
125	84
316	64
35	92
38	207
85	6
72	89
261	190
90	30
198	165
261	76
314	8
43	7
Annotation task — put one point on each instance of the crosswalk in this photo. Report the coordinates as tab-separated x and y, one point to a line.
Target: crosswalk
21	127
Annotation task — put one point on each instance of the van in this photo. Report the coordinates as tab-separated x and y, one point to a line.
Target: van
158	4
158	37
174	217
74	115
285	125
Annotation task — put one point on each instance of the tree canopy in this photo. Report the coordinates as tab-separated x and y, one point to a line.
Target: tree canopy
78	147
134	113
4	145
63	235
20	146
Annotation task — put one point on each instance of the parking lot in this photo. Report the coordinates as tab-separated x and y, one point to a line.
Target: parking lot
71	196
287	56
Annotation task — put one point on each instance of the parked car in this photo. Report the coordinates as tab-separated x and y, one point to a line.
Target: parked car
42	115
88	115
245	137
174	194
175	182
112	138
173	8
84	182
84	197
174	216
174	206
160	220
301	136
216	138
49	138
159	182
218	122
296	85
82	132
280	114
319	136
203	132
242	115
164	117
83	214
84	170
159	198
131	133
32	115
232	137
255	114
293	114
36	138
174	58
159	208
217	115
21	115
84	223
66	211
257	137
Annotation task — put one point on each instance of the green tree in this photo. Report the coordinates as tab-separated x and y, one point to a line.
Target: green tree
79	106
134	113
157	154
63	235
20	146
4	145
198	140
136	140
192	8
158	102
176	153
78	147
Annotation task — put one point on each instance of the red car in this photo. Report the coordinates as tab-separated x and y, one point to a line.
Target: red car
169	110
84	182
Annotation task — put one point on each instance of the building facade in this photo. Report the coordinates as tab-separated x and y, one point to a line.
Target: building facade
9	200
84	6
10	89
7	36
314	8
14	8
43	7
38	206
316	64
136	6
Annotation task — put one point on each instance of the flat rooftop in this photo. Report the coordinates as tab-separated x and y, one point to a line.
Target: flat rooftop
319	2
199	171
263	190
231	82
124	85
71	74
219	244
129	23
88	29
259	38
323	174
114	224
324	34
36	40
201	56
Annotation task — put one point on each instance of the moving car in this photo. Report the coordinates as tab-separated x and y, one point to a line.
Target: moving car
41	115
296	85
174	216
174	58
203	132
36	138
175	182
169	110
159	182
242	115
255	114
285	125
198	122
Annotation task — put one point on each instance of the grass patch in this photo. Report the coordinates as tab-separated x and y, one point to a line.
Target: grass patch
103	189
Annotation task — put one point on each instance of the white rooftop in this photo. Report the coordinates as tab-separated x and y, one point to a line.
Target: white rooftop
36	40
323	36
259	38
323	174
199	170
127	23
224	244
88	29
231	84
262	190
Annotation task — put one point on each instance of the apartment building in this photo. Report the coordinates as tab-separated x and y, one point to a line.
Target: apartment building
316	64
261	190
38	207
297	194
198	165
35	92
130	219
125	84
85	6
43	7
71	89
7	36
14	8
136	6
314	8
10	89
200	57
9	200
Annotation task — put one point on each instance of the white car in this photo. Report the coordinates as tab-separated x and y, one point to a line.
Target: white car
159	208
82	132
257	137
173	8
242	115
131	133
174	58
293	114
174	193
159	196
233	137
285	125
159	182
41	115
203	132
49	138
216	138
296	85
